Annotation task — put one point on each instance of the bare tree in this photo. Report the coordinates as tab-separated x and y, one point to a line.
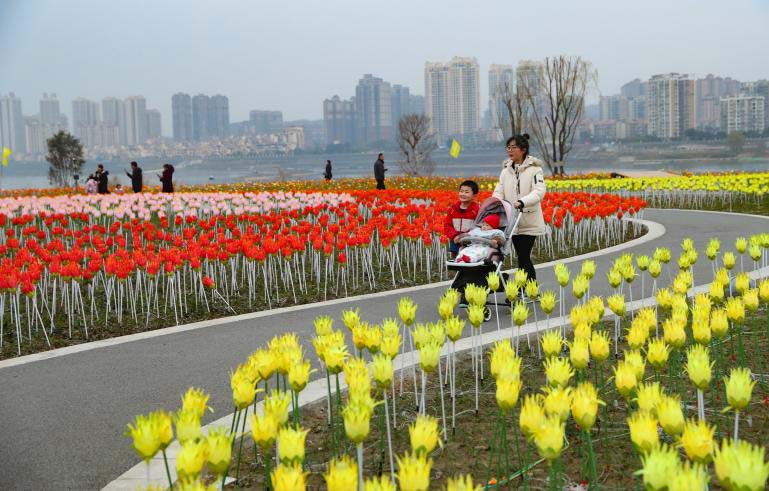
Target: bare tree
512	112
554	93
416	143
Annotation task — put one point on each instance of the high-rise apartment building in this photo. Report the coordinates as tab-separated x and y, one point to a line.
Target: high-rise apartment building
265	122
742	113
759	88
12	129
709	91
49	109
452	96
400	104
417	104
339	120
501	88
112	114
373	110
670	105
85	113
200	108
154	123
615	108
634	88
181	111
218	116
135	120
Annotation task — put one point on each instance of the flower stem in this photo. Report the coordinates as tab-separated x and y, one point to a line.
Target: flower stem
168	472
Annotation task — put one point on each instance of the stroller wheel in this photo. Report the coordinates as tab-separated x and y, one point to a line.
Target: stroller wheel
486	314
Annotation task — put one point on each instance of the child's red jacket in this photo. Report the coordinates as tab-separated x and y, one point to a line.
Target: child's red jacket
458	220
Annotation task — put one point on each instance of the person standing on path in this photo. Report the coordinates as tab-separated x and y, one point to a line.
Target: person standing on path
327	173
167	178
379	171
102	179
522	183
136	177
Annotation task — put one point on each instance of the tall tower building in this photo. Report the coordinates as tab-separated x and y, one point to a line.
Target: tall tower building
12	128
742	113
219	116
373	110
200	108
339	121
49	109
85	118
452	96
154	123
417	104
670	105
112	112
400	104
135	117
759	88
501	85
181	109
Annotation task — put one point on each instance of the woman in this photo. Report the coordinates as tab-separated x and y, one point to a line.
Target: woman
167	178
522	183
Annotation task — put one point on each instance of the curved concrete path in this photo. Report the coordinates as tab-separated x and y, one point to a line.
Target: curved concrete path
62	414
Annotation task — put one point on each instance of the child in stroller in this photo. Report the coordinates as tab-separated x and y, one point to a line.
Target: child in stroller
485	240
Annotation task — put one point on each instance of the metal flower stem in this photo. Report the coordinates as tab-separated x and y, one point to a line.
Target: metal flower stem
736	425
240	449
168	471
389	438
360	466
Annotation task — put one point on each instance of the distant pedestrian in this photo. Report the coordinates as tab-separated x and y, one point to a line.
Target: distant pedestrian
137	180
327	174
379	171
102	178
167	178
118	189
91	186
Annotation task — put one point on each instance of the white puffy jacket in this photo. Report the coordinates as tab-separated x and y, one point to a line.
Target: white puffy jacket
524	182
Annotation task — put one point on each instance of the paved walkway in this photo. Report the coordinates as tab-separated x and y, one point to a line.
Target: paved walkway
62	418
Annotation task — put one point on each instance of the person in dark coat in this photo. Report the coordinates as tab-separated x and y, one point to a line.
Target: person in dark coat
136	177
327	173
167	178
102	179
379	171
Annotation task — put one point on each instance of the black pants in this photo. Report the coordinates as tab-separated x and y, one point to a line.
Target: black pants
523	245
380	184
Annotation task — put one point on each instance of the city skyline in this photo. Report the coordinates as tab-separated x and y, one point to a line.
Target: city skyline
333	44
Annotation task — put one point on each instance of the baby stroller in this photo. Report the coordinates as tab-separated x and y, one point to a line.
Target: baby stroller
475	272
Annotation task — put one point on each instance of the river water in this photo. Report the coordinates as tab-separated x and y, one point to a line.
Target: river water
471	162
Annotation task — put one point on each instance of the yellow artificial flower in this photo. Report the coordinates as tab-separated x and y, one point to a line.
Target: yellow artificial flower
195	400
264	360
531	416
187	425
750	300
351	319
698	366
324	325
507	393
552	343
648	397
637	335
357	419
243	390
616	304
462	483
475	315
740	466
445	308
741	245
165	428
219	451
299	375
291	445
454	327
660	466
146	436
719	323
532	289
390	327
547	302
643	262
636	360
520	313
276	405
625	379
739	388
579	353
378	483
584	405
191	458
264	430
557	402
579	286
670	415
741	282
701	332
414	472
493	280
600	346
335	358
558	371
511	291
763	290
424	435
657	353
288	478
504	359
521	277
342	475
689	477
697	441
735	310
382	370
429	354
562	274
655	269
643	432
614	277
187	485
674	333
548	438
373	339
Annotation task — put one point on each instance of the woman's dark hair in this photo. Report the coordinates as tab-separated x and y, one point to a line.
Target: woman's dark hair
521	141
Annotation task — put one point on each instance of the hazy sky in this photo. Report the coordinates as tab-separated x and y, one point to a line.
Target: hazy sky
292	55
